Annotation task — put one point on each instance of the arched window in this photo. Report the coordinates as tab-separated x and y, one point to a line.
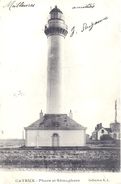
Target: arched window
55	140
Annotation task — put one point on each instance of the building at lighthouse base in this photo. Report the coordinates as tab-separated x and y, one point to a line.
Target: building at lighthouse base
55	130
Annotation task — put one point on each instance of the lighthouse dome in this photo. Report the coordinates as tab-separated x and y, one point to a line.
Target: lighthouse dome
55	10
56	13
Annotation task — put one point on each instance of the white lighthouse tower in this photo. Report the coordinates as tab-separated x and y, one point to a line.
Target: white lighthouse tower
56	30
55	129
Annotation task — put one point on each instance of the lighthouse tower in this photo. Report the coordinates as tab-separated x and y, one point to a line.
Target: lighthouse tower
55	129
56	30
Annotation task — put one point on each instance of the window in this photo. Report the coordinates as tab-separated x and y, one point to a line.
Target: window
102	131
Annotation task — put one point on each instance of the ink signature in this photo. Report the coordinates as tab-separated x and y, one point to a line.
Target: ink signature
14	4
85	26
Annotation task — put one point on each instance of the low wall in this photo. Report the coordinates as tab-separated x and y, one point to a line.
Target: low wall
61	159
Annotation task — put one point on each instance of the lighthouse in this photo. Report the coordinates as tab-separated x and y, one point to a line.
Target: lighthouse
56	31
55	129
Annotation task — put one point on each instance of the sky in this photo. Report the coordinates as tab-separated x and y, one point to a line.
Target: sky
91	67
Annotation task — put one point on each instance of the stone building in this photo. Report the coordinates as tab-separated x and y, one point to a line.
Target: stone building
100	131
55	130
113	131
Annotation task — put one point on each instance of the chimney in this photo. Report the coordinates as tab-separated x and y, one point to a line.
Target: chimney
100	125
41	114
71	114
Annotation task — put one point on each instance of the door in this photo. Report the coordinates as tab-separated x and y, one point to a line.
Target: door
55	140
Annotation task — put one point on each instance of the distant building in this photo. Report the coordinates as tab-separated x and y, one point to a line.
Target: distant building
112	132
100	131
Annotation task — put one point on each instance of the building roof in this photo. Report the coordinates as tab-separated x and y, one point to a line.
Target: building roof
55	10
55	122
108	129
97	130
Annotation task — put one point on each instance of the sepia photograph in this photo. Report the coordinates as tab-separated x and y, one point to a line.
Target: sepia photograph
60	89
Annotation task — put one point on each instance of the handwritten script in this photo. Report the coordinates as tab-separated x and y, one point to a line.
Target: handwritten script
14	4
85	26
90	5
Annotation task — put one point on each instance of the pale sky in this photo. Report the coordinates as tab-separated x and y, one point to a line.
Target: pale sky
90	69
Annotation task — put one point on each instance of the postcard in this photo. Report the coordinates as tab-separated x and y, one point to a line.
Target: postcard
60	91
